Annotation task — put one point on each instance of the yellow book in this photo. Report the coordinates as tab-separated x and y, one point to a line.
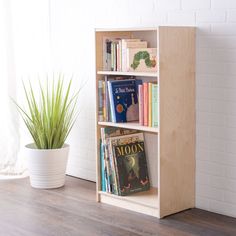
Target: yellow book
150	104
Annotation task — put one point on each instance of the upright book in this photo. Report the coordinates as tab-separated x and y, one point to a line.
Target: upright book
130	163
107	167
123	100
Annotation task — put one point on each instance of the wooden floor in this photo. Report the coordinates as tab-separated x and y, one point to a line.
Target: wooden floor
72	210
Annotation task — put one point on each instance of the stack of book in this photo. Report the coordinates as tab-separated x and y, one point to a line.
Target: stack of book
128	55
123	162
148	104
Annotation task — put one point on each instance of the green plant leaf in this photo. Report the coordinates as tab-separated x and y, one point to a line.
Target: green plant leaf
50	117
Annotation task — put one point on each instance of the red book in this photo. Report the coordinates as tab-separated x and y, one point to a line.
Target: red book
140	103
145	103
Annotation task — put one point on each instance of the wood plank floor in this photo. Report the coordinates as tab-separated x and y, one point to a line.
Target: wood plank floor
72	210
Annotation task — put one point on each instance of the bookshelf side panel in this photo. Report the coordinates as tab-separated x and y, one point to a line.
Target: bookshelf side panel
177	119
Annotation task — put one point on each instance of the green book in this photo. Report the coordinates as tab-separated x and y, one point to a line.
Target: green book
154	105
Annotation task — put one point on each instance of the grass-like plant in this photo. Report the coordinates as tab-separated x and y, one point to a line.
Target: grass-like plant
50	116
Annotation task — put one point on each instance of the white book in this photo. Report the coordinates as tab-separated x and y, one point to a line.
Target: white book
123	51
142	59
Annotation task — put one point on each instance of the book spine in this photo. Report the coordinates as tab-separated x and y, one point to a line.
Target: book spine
120	52
102	168
111	101
145	103
114	54
140	100
100	100
109	55
117	57
106	162
154	105
113	171
104	100
149	104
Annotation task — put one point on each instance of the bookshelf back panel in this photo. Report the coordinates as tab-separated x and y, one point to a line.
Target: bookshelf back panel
151	155
149	36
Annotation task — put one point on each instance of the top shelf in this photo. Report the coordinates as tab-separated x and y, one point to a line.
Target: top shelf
141	74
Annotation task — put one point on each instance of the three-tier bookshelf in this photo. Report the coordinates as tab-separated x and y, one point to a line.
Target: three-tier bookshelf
170	148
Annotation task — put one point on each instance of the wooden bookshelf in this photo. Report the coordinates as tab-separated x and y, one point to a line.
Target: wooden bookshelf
172	166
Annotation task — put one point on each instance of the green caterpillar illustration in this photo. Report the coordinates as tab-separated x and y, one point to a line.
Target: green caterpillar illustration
145	56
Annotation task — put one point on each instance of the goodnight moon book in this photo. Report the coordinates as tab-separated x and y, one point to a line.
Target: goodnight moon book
123	100
130	163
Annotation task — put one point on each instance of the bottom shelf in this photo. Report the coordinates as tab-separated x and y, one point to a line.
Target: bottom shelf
143	202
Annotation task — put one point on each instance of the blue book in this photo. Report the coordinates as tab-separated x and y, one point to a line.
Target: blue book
123	100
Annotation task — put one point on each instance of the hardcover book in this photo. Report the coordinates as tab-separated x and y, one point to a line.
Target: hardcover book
130	163
154	105
142	59
123	100
106	134
145	103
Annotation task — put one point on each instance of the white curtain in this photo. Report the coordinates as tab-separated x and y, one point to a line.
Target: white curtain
25	53
10	164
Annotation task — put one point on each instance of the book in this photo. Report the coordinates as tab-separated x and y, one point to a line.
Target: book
102	168
142	59
140	103
149	104
100	100
123	52
145	104
154	105
130	163
106	134
123	100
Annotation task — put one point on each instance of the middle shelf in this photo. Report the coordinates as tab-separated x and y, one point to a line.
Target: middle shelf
130	125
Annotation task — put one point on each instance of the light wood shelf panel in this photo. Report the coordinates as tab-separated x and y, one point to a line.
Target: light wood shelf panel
143	202
130	125
141	74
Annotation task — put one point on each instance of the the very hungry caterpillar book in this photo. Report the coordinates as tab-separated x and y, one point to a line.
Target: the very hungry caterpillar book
128	152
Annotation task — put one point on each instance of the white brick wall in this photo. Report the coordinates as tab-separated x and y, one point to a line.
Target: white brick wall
73	23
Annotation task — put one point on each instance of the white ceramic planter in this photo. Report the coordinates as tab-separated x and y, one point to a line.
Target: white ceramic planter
47	167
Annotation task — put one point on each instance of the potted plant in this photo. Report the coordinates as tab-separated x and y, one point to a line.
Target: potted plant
49	117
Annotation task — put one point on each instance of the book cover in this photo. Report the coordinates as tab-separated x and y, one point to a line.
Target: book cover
140	59
123	100
106	134
130	163
145	104
154	105
149	104
140	103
